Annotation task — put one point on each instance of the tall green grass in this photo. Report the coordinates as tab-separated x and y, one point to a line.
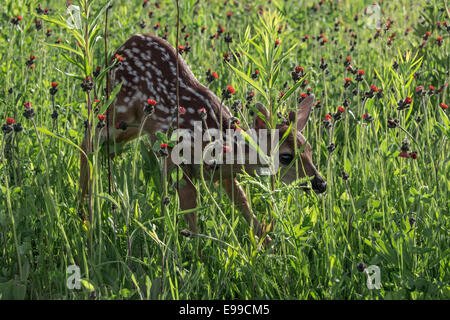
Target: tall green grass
391	211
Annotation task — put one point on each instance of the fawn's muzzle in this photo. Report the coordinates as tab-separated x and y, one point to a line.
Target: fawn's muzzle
319	184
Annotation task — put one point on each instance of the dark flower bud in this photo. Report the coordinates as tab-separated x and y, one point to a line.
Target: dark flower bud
361	266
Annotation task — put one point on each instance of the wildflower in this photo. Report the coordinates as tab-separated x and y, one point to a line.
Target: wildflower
420	90
344	175
323	64
87	84
444	106
202	113
29	111
426	35
306	37
392	123
347	62
228	38
361	266
182	110
10	121
226	93
359	77
53	89
331	147
277	42
347	82
431	90
122	125
163	151
367	117
101	117
181	48
150	106
255	74
226	57
341	110
231	90
439	41
414	155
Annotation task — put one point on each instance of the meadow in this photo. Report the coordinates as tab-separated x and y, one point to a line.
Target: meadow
379	133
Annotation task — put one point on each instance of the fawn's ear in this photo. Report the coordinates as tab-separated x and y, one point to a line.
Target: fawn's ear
259	122
303	112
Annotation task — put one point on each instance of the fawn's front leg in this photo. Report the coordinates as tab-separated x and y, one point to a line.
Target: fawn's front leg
188	200
235	192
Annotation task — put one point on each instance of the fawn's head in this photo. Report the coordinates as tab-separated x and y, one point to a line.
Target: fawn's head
294	142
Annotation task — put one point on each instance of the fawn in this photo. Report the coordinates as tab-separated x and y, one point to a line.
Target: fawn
148	71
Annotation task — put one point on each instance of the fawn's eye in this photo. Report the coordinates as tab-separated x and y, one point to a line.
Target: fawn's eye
286	158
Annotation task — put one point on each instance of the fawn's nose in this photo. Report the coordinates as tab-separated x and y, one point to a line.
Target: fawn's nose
319	184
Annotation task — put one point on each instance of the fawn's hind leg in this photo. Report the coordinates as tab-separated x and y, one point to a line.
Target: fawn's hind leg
188	200
124	136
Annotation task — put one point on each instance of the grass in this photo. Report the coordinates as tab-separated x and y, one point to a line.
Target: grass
391	211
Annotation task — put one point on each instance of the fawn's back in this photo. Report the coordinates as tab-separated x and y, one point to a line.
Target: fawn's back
149	71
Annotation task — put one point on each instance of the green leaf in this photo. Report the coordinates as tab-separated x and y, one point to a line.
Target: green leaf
250	81
87	284
61	46
292	89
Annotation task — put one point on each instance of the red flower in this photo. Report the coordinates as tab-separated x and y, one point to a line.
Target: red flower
444	106
348	59
431	87
54	84
10	121
215	75
32	67
414	155
231	90
281	94
328	117
306	37
403	155
303	95
96	101
201	111
361	72
19	18
27	105
439	39
32	57
419	89
151	102
341	110
298	69
101	117
226	149
163	145
348	80
373	88
277	42
181	47
408	100
182	110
